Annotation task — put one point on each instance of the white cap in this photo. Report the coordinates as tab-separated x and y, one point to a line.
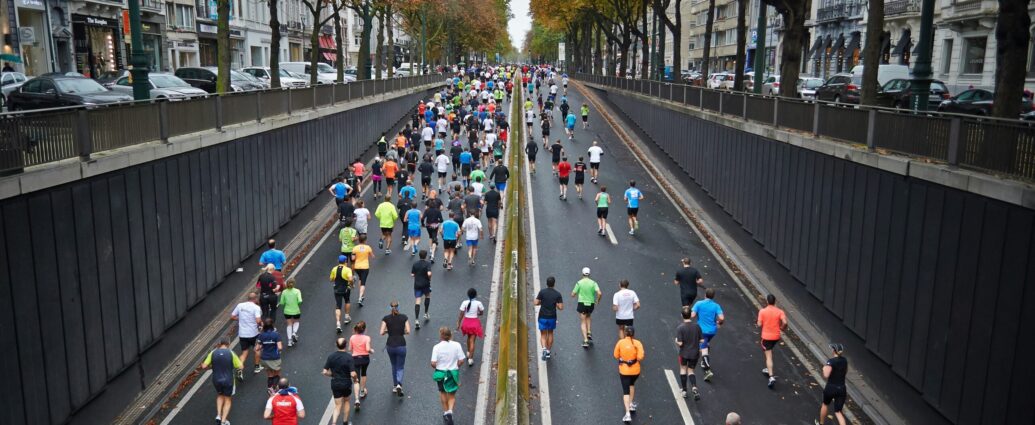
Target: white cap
585	271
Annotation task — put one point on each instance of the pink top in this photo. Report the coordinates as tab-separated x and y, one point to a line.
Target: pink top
357	168
360	344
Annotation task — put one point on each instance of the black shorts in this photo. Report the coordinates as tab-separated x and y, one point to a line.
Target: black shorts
341	391
624	322
687	299
546	132
340	298
585	118
465	170
835	394
360	363
426	180
531	158
390	181
362	275
580	179
628	381
586	309
432	235
601	212
689	363
594	165
563	180
632	211
225	388
247	343
441	174
292	316
768	344
386	231
492	213
449	243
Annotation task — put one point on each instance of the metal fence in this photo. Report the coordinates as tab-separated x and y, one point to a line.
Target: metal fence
39	137
993	145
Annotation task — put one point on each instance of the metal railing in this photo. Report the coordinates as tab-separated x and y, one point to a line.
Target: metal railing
30	138
1000	146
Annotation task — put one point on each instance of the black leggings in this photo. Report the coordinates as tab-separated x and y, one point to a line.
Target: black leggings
628	381
361	363
268	304
377	185
362	275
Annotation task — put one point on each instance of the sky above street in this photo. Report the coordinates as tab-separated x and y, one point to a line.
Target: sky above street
520	23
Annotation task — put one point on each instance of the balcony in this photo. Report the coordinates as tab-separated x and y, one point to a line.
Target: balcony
840	11
901	8
153	6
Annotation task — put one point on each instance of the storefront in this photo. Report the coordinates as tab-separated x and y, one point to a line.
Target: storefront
237	49
152	37
97	42
33	37
207	44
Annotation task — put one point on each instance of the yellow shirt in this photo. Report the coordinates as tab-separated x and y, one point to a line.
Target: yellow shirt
363	252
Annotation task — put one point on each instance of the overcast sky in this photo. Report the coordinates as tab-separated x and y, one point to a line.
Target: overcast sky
521	23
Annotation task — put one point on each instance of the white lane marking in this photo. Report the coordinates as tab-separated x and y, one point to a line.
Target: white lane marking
677	394
610	234
183	402
544	381
326	418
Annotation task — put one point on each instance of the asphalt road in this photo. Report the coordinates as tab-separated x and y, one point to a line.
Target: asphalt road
583	383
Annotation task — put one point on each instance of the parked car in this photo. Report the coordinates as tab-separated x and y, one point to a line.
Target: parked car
771	85
57	91
896	93
841	88
720	80
885	72
325	74
108	78
807	87
287	78
205	78
977	102
163	86
255	80
1028	116
9	82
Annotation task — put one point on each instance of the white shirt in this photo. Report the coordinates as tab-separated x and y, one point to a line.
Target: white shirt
362	215
564	81
490	139
553	89
427	133
626	301
447	355
472	93
472	313
594	153
478	188
485	95
487	124
442	163
246	314
529	116
472	226
443	124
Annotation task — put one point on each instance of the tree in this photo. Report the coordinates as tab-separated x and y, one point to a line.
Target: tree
366	14
708	27
1012	38
379	52
871	51
738	71
339	53
389	20
223	44
676	28
274	44
317	8
794	14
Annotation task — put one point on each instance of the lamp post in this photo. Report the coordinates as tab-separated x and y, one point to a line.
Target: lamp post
759	66
138	58
921	87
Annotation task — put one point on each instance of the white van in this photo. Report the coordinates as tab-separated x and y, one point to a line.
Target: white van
885	73
325	74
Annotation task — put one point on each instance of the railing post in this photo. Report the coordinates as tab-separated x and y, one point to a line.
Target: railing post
744	106
163	121
720	101
314	98
219	112
776	112
700	98
334	93
258	106
954	142
288	101
815	119
83	135
871	130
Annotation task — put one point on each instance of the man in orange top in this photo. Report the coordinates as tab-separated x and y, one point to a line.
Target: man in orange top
400	144
390	169
772	320
629	353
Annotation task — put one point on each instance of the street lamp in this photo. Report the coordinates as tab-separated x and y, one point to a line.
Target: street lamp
138	58
921	87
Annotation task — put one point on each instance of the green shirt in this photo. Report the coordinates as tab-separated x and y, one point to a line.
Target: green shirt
585	110
291	300
477	175
347	237
602	200
586	290
386	215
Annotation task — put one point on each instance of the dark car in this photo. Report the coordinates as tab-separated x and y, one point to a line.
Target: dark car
108	78
977	102
896	93
57	91
841	88
205	78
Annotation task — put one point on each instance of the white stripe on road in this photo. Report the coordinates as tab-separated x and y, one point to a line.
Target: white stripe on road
544	381
678	395
183	402
610	234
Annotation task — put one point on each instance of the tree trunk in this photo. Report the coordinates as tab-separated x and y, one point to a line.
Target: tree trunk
339	59
677	43
1011	37
623	49
314	42
391	40
586	63
738	71
871	51
644	43
597	58
380	51
274	45
708	28
363	65
223	46
790	59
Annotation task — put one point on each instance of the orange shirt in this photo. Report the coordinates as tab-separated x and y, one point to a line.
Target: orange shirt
400	141
390	169
492	108
360	344
627	349
357	168
770	319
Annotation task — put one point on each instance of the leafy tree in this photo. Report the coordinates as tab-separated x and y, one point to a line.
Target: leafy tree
871	51
794	13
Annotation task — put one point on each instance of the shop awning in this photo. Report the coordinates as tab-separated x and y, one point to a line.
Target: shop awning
838	44
854	42
903	44
815	48
331	56
885	42
327	42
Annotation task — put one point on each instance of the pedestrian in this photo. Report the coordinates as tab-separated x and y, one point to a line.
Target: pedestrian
472	234
225	365
629	353
268	348
357	171
340	190
632	198
587	293
446	358
291	302
386	214
421	273
341	370
569	123
709	317
361	256
273	256
469	323
450	230
688	279
603	200
835	392
688	340
359	342
346	210
499	175
269	292
563	171
396	325
585	116
347	236
580	175
413	225
391	169
493	202
248	315
624	303
550	302
772	320
376	175
442	167
531	149
595	154
284	406
556	153
341	277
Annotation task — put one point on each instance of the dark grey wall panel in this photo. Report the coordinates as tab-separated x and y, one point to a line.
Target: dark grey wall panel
936	281
97	270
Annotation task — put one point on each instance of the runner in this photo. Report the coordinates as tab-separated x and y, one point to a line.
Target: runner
632	198
499	174
629	353
835	392
340	369
362	215
291	302
225	365
556	153
284	407
396	325
468	322
466	159
248	315
688	339
772	320
550	302
346	210
450	231
400	141
563	171
431	219
382	145
269	292
421	273
340	190
585	116
709	317
359	342
357	171
687	279
529	118
413	225
386	215
446	358
587	293
348	237
403	206
376	175
273	256
442	163
361	256
595	153
531	149
603	200
493	201
580	176
341	277
544	126
391	169
624	303
427	169
268	350
569	123
472	234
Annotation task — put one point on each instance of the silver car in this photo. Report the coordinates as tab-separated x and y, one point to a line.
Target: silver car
163	86
9	82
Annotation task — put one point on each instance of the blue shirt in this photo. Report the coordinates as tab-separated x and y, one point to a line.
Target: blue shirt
482	115
269	340
633	195
491	85
408	192
340	190
708	312
449	230
413	219
570	120
438	144
465	157
273	256
429	115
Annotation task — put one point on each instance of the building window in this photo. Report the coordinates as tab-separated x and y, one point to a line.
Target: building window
184	16
946	55
170	14
974	55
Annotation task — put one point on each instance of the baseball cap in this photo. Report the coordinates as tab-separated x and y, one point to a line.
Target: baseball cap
585	271
342	258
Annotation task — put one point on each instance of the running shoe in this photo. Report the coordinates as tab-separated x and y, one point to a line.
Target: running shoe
219	421
632	232
683	393
585	344
339	329
418	325
765	371
470	362
627	418
548	354
772	382
361	301
400	392
380	244
448	418
697	394
357	405
388	252
708	375
632	407
226	422
257	369
295	338
290	343
544	355
240	375
348	319
427	317
445	265
363	394
589	336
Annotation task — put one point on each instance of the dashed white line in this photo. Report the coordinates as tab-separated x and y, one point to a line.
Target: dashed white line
678	395
610	234
544	381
